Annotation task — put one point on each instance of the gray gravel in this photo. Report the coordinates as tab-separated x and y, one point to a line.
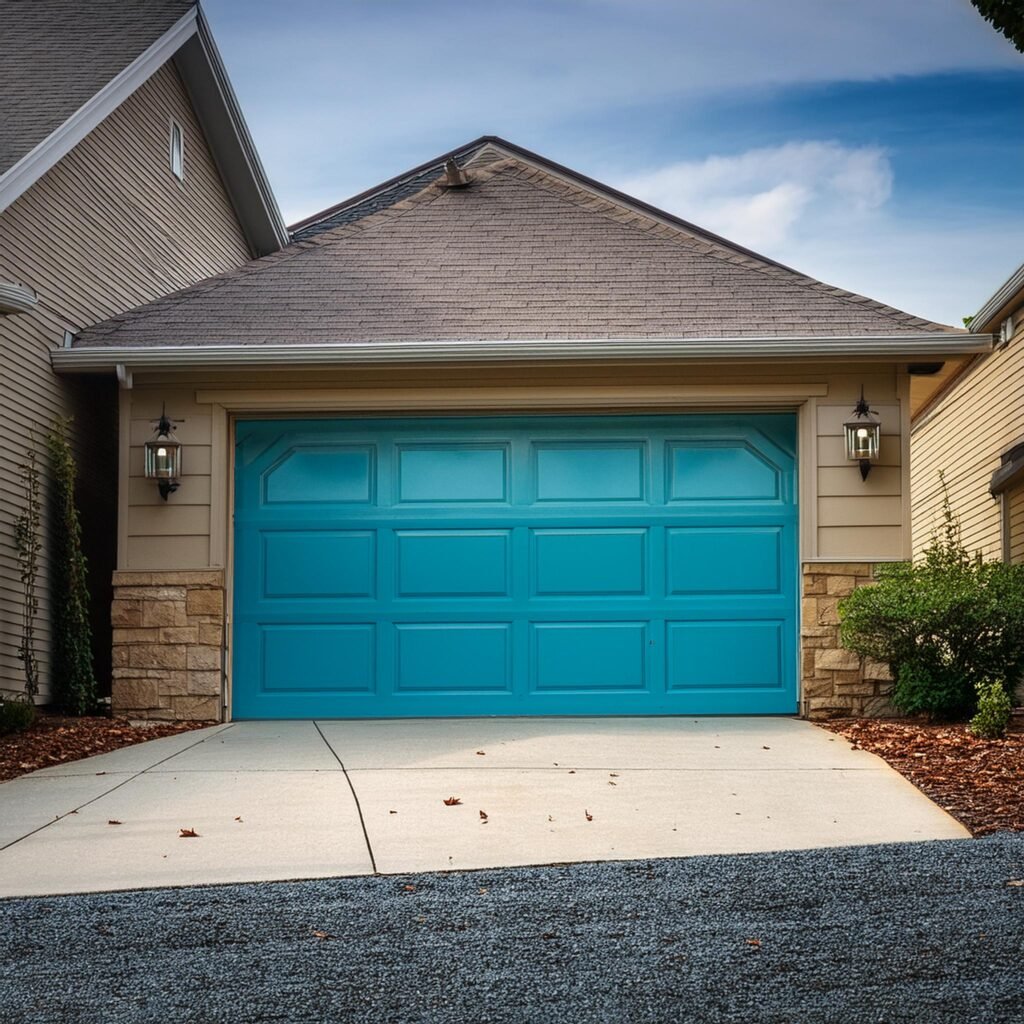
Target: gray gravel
884	934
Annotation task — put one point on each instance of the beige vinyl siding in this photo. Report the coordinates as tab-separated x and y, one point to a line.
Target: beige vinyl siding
845	518
964	435
1015	523
108	228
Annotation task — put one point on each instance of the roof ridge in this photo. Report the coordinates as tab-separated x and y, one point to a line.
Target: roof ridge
738	257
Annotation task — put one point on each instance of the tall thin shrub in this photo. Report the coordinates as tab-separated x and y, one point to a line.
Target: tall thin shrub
28	542
74	682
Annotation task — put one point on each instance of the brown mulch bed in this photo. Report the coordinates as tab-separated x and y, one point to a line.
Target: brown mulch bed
53	739
979	782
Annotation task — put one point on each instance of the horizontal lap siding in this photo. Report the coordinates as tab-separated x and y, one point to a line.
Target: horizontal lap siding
108	228
964	436
855	519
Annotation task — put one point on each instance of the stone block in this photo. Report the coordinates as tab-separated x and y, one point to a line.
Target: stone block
190	578
204	684
813	630
136	636
164	613
134	695
167	656
814	584
131	579
877	707
211	633
848	675
822	687
172	683
836	658
828	611
179	635
201	709
125	613
809	610
807	662
150	593
205	602
858	689
840	586
876	670
839	568
204	658
119	656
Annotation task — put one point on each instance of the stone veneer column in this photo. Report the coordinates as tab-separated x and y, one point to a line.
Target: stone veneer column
168	644
836	682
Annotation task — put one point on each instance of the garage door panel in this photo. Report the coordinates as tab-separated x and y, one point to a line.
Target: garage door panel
453	473
453	563
313	658
445	657
319	563
725	560
599	565
726	655
584	471
589	657
588	561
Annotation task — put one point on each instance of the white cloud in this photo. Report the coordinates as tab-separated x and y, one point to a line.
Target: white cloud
766	197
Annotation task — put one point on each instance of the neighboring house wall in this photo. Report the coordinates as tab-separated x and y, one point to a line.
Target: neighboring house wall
106	229
963	435
168	609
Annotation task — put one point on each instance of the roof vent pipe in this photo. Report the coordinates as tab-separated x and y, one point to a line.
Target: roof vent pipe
455	176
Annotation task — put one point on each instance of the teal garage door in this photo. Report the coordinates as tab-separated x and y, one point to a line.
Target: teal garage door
543	566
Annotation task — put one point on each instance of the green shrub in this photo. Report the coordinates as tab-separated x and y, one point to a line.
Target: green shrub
16	716
994	709
944	625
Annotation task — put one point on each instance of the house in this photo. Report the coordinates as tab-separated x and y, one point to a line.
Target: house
972	431
494	438
126	172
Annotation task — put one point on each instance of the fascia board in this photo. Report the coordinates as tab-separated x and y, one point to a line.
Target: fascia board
899	348
1000	300
34	164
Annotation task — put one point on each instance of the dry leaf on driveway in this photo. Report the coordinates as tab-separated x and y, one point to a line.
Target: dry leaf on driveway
590	817
483	817
114	821
319	934
188	833
452	801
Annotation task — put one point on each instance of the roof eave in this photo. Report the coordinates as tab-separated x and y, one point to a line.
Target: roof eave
34	164
886	348
1001	302
206	79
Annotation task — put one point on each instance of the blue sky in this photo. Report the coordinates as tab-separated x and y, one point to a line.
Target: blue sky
875	144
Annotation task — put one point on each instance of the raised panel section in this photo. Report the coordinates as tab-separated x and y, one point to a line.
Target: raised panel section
319	563
453	563
326	658
453	657
721	470
586	471
725	560
320	474
589	562
584	657
738	654
452	473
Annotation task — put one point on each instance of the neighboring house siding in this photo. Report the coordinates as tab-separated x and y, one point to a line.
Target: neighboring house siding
964	435
843	517
1015	523
108	228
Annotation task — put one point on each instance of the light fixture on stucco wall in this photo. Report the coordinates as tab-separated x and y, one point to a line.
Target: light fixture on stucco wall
863	436
163	457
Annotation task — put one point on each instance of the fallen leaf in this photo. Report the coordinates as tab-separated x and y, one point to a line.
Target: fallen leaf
610	783
188	833
614	775
480	753
101	773
452	801
590	817
409	888
549	935
756	943
1017	882
114	821
483	817
766	748
572	771
550	818
239	818
482	892
318	934
392	812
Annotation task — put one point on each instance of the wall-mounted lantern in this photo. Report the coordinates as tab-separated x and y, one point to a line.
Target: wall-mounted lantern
863	436
163	457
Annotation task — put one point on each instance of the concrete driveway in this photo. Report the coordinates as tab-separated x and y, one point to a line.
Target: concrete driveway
310	799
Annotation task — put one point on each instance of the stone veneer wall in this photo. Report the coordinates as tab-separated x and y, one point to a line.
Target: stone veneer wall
168	644
836	682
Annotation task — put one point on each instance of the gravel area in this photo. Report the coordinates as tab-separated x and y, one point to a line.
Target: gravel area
911	932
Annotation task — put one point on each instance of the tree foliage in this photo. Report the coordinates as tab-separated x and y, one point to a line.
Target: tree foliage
74	683
945	625
1005	15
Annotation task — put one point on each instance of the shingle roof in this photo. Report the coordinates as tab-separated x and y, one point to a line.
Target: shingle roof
520	253
56	54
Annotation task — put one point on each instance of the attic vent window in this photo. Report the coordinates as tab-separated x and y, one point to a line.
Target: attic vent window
177	151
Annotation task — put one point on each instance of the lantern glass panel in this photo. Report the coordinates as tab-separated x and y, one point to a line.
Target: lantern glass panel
862	440
163	459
